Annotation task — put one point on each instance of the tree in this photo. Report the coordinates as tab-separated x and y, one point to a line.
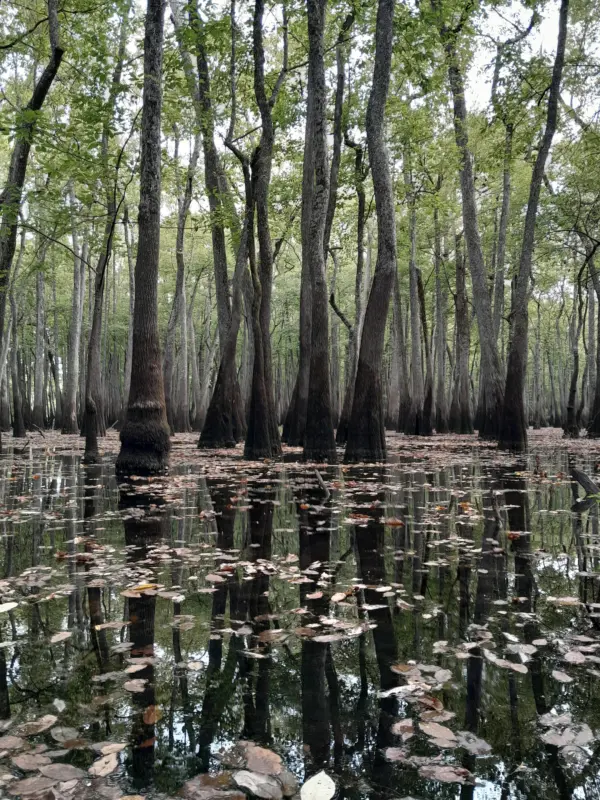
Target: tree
12	194
145	434
513	429
366	430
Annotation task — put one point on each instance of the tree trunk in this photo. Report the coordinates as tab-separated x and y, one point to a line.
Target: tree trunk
441	403
461	420
40	350
176	397
360	173
415	423
502	233
18	422
319	440
94	421
513	430
490	363
131	271
366	431
145	434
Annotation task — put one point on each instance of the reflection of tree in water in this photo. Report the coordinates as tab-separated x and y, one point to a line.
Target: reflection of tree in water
515	494
141	532
314	523
248	603
370	549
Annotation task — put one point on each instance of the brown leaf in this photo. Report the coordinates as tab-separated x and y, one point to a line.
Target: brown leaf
60	637
62	772
151	715
446	774
37	726
104	766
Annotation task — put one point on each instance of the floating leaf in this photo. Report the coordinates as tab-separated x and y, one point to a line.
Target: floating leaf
104	766
446	774
152	715
62	772
38	726
61	637
136	685
258	785
561	677
30	762
4	607
319	787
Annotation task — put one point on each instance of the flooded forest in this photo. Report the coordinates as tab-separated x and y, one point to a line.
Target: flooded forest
299	400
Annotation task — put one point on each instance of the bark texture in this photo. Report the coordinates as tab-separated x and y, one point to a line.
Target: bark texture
366	431
145	434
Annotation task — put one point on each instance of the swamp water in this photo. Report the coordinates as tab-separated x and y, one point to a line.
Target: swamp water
427	629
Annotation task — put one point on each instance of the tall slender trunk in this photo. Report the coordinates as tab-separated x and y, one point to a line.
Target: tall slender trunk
513	429
360	173
414	424
319	440
40	350
18	421
131	272
176	397
502	234
460	418
441	401
94	421
491	374
145	434
366	431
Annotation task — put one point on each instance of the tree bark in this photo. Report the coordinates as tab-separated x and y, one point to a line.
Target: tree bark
366	431
176	397
319	440
441	402
490	362
40	349
145	434
513	429
460	419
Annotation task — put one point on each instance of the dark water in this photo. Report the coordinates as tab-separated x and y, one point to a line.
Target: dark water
466	607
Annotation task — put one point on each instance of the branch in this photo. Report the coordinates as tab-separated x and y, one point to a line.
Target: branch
341	314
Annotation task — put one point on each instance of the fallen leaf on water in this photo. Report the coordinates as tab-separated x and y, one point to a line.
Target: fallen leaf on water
11	742
30	762
32	785
62	772
63	734
437	731
561	677
151	715
7	607
37	726
319	787
338	597
136	685
60	637
446	774
104	766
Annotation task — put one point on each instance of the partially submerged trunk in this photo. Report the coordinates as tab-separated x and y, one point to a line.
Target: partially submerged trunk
441	310
492	388
513	429
319	440
366	430
145	434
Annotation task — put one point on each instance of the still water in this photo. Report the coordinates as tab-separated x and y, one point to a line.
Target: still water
427	629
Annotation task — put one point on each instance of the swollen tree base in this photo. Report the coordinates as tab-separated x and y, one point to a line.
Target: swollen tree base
145	441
